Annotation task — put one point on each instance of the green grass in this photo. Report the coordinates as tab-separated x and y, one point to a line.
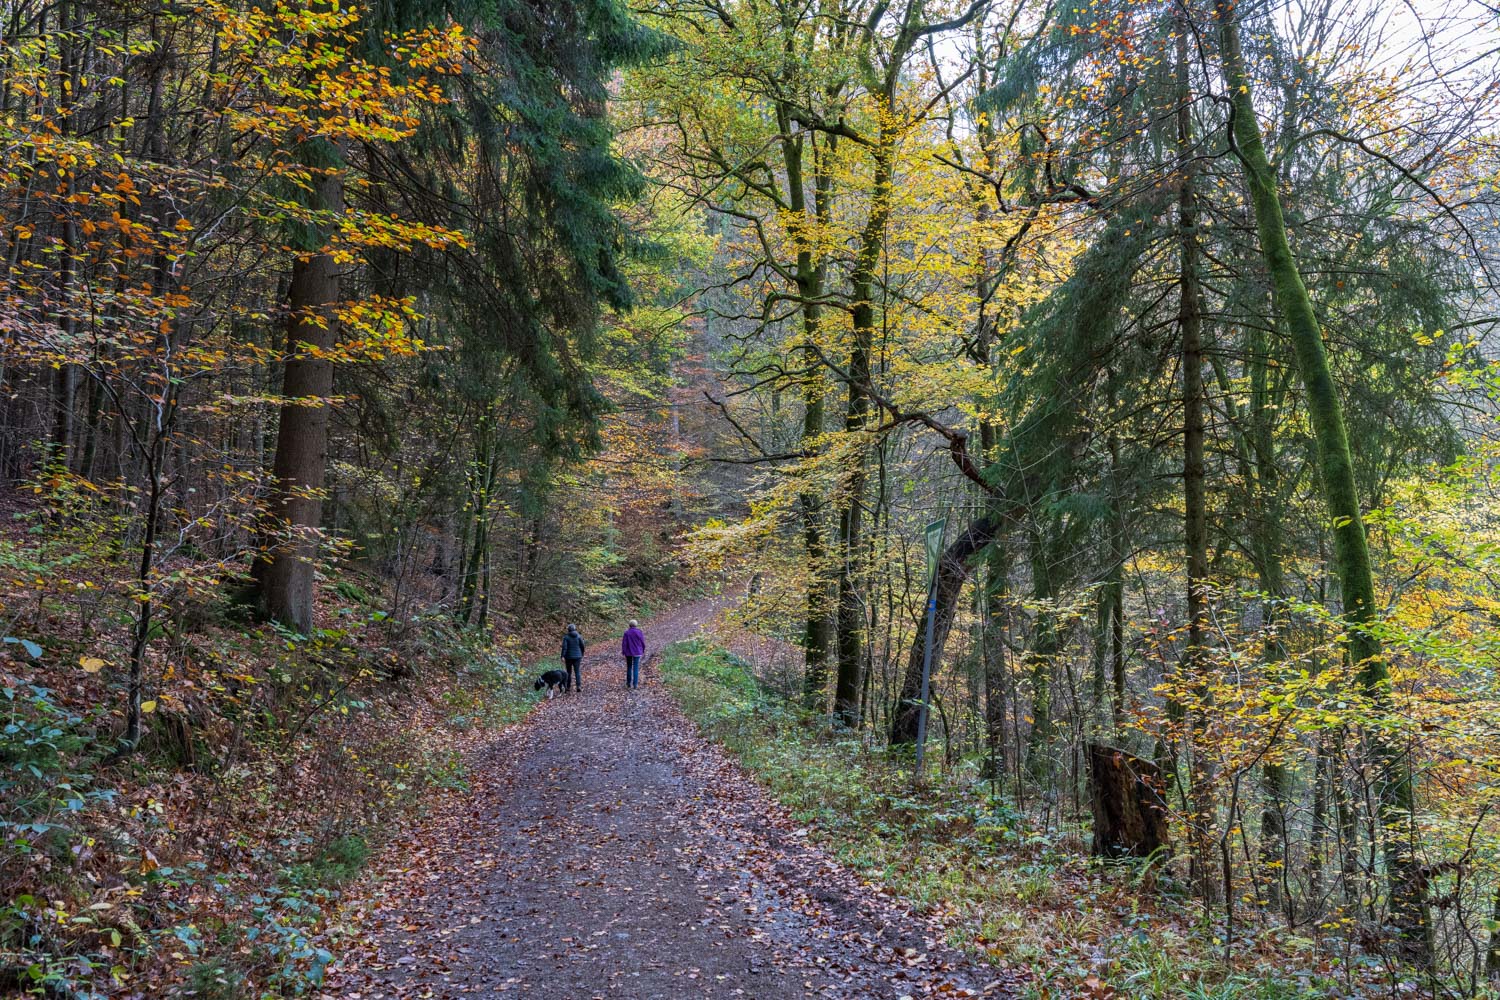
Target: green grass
1010	891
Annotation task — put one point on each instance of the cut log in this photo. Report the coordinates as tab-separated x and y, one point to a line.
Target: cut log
1130	815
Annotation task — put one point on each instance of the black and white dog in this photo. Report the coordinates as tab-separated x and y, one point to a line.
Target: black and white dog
553	680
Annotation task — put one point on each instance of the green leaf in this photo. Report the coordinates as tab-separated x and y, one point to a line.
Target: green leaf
26	644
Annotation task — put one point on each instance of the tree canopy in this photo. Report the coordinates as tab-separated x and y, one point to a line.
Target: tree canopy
336	338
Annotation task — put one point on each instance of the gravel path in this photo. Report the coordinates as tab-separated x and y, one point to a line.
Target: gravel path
609	851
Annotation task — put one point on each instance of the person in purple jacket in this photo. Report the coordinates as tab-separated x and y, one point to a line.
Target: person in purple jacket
633	647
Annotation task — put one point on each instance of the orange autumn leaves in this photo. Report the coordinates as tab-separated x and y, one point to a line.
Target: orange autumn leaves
113	249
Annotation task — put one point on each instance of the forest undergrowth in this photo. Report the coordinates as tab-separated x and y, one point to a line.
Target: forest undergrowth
1012	881
211	862
1128	373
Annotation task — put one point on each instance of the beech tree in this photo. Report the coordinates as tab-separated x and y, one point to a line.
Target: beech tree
1158	402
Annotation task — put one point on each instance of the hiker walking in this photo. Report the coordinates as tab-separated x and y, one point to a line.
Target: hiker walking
572	655
633	647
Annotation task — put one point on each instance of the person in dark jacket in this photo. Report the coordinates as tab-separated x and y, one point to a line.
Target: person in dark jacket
572	656
633	647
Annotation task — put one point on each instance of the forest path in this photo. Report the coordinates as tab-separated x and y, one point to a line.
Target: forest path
607	850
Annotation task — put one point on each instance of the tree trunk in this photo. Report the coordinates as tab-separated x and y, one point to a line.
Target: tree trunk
145	603
1045	645
1492	960
879	532
1099	656
284	575
952	573
1194	487
1317	837
851	615
64	393
863	284
992	649
466	524
1130	813
1336	466
817	633
482	620
86	461
65	378
1116	583
1351	874
478	529
1264	534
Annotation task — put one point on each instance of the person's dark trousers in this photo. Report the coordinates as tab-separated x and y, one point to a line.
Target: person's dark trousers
632	671
575	675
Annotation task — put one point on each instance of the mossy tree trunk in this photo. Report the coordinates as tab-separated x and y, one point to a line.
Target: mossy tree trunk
810	275
1336	469
865	279
1194	485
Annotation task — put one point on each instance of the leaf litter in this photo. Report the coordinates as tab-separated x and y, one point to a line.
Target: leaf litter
608	850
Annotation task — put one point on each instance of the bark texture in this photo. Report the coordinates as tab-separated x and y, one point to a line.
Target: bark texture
1125	793
1336	471
952	573
284	575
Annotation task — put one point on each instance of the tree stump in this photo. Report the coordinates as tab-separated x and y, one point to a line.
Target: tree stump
1130	814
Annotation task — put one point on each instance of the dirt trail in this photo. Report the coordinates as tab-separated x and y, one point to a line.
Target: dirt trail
609	851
